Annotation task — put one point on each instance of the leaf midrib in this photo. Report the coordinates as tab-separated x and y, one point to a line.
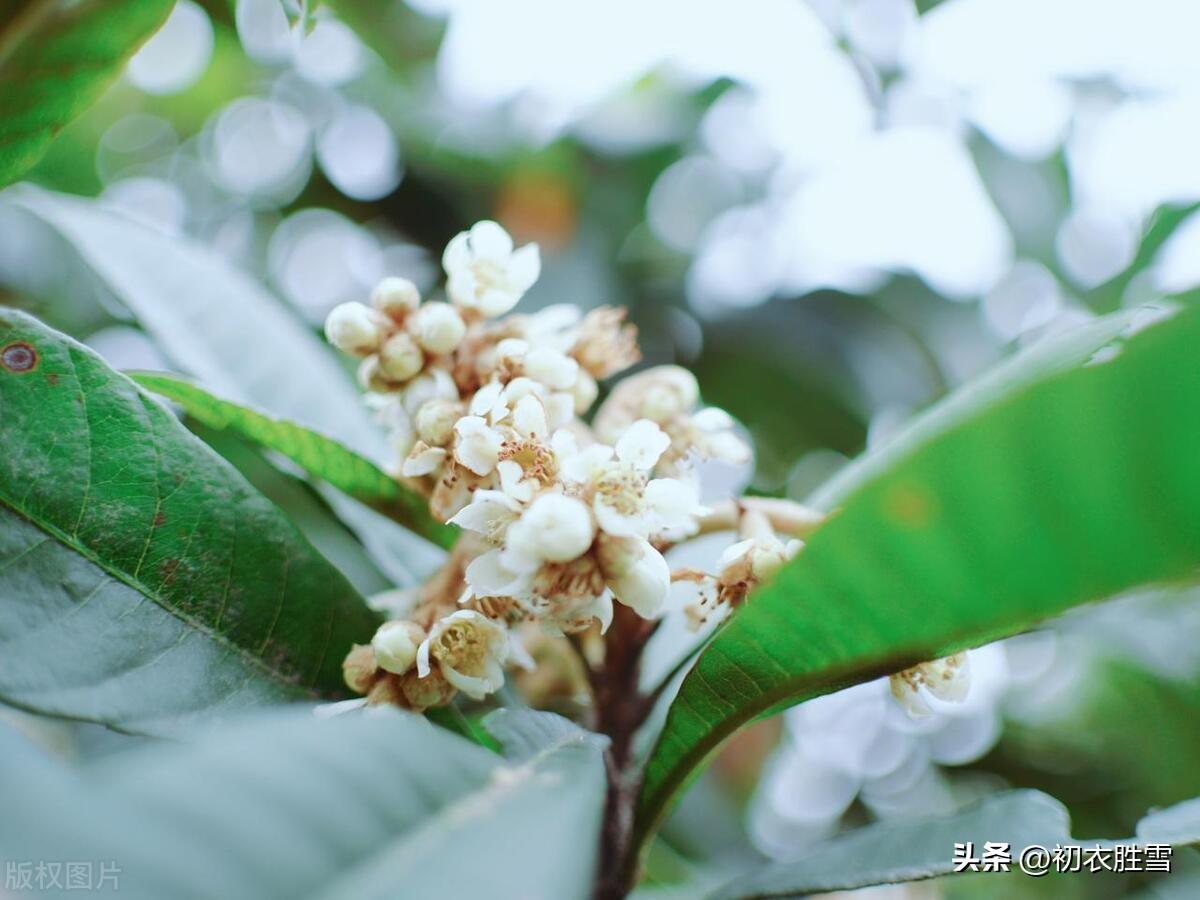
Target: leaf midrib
491	793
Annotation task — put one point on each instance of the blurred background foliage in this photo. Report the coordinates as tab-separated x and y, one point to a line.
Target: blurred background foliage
835	212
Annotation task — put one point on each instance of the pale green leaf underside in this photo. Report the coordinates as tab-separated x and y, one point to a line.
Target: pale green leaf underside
288	806
319	455
142	579
894	852
1069	490
56	58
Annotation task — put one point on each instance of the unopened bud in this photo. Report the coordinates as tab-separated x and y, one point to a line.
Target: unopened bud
359	668
438	328
395	645
435	421
551	368
395	298
354	328
512	349
372	377
400	358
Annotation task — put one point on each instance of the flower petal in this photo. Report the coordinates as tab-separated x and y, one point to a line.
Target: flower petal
477	446
551	368
524	267
585	465
489	577
457	255
486	398
496	302
712	419
487	512
642	444
423	460
618	524
529	417
642	583
673	504
490	241
513	482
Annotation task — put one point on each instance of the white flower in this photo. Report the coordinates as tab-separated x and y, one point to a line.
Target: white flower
489	513
948	679
355	329
554	528
484	273
438	327
477	445
515	445
667	395
519	403
637	574
757	558
625	502
551	375
395	645
469	649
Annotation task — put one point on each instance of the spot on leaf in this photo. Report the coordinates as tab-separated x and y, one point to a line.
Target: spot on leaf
19	357
911	505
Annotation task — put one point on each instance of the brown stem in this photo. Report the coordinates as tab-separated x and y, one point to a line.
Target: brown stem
619	711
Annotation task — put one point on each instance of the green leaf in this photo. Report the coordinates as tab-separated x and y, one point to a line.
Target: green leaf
216	323
144	581
56	58
292	807
990	515
302	504
915	849
315	453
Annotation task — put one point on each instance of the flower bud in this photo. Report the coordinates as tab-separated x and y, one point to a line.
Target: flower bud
435	421
554	528
359	668
395	298
669	391
551	368
372	377
395	645
438	328
400	358
354	328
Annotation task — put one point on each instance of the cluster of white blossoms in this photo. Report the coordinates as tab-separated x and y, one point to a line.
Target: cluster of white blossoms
560	519
948	679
